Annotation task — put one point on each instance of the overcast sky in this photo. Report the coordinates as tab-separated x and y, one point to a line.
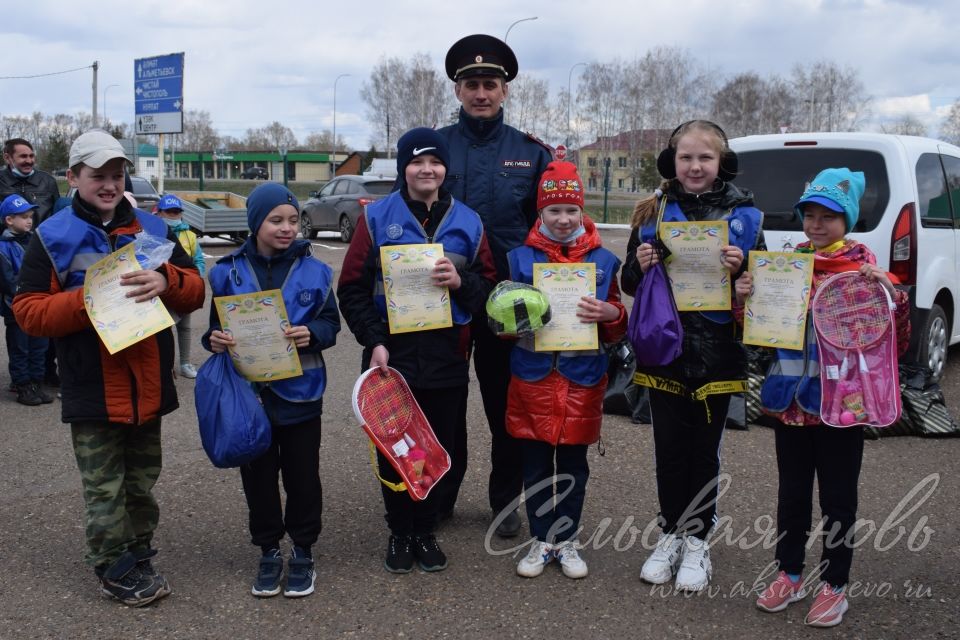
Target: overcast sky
249	62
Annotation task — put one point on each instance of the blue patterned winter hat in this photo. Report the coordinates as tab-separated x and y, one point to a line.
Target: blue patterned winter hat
839	190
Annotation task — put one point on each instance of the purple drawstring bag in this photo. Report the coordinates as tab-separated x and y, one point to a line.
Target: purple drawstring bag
654	327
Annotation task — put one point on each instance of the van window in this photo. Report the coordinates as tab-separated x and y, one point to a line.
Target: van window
951	165
933	201
777	177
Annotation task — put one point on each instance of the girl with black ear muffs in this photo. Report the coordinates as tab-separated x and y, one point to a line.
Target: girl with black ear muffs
698	166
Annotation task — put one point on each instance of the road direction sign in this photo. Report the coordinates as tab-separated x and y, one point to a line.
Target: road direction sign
158	94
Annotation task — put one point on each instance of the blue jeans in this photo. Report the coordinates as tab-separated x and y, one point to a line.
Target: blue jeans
27	355
549	472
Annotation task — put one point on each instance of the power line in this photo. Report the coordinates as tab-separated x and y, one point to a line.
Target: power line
44	75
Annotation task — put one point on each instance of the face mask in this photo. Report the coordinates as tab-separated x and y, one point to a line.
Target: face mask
171	223
22	175
569	239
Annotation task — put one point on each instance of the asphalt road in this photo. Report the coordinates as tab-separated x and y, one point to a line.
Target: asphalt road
907	572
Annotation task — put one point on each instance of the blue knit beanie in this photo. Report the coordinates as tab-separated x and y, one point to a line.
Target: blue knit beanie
839	190
264	199
421	140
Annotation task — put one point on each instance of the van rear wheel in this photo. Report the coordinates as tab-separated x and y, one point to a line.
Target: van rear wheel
934	341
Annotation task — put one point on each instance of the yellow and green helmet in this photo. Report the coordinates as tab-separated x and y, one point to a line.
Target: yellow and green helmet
517	309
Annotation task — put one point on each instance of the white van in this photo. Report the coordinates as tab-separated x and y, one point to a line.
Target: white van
909	214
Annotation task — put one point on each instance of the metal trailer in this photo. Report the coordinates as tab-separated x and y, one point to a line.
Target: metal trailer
215	213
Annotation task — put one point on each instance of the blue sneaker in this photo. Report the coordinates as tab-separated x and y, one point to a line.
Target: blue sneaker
269	575
300	574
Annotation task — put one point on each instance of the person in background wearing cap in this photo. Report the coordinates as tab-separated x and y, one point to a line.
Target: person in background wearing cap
37	187
26	353
493	170
273	258
555	402
435	363
22	177
113	403
806	447
171	210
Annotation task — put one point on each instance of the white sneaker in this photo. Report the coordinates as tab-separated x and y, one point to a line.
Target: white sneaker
571	563
663	562
540	554
187	370
695	569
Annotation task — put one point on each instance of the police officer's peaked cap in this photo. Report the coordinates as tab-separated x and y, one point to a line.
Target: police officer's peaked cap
481	55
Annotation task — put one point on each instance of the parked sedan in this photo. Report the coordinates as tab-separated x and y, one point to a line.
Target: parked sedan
254	173
337	206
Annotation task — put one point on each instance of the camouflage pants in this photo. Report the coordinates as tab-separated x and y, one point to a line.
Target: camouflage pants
119	464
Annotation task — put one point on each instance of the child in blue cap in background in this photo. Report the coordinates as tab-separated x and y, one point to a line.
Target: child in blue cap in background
171	210
806	447
273	258
26	353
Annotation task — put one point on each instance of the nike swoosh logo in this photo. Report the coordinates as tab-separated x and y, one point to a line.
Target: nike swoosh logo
417	152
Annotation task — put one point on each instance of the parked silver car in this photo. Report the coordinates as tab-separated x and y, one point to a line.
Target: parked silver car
338	205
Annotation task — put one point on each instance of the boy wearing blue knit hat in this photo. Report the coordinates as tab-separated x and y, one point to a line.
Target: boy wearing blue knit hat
273	258
791	394
435	363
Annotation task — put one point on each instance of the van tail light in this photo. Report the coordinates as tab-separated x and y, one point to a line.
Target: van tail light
903	246
365	201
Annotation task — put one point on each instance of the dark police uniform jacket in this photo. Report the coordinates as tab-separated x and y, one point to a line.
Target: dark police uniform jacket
494	169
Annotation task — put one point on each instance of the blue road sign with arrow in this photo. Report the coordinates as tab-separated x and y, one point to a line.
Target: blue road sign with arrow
158	94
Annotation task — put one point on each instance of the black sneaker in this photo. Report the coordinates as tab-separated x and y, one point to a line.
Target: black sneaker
124	581
27	394
300	574
269	575
399	555
146	567
428	553
44	398
509	527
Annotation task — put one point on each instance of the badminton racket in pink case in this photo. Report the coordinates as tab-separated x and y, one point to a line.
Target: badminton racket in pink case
857	344
391	417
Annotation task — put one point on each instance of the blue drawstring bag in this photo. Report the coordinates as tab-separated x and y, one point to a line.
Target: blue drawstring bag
234	428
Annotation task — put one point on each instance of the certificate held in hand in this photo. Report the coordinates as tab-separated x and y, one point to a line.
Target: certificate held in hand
414	303
257	322
698	278
120	321
564	283
776	311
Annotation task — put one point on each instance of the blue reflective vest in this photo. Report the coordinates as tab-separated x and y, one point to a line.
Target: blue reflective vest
744	225
583	367
305	293
794	375
74	244
460	232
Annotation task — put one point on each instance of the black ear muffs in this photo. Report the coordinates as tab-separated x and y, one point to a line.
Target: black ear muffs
729	163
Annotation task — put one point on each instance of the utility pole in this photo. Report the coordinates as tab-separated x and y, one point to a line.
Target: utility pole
96	66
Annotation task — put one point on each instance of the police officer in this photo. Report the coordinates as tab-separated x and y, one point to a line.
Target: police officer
494	169
22	177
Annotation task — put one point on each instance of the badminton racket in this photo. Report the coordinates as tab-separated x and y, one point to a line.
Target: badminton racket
852	312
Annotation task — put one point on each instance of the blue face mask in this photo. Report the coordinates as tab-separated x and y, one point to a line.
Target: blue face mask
172	223
568	240
17	173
